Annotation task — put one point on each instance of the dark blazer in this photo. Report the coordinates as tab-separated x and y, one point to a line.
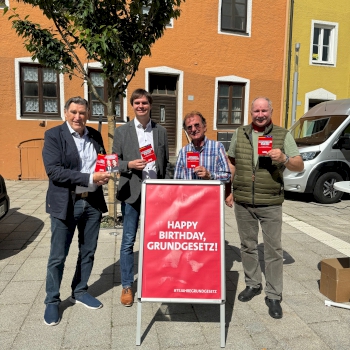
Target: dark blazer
62	165
126	146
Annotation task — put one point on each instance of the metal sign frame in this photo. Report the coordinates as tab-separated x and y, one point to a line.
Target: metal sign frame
143	215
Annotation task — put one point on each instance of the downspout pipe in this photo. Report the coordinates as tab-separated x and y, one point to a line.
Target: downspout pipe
295	83
289	62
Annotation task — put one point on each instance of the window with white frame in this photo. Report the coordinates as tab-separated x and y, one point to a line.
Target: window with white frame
4	3
40	91
97	108
324	43
235	17
145	10
230	104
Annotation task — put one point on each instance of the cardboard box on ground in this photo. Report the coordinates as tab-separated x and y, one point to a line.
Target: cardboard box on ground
335	279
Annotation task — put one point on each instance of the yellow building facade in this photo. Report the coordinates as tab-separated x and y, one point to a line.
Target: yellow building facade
322	63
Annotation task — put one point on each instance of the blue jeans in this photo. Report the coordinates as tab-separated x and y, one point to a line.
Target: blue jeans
122	207
130	224
87	219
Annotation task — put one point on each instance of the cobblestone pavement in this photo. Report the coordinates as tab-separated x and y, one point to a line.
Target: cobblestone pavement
311	233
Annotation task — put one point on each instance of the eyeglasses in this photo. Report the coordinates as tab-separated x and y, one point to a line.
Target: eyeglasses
197	126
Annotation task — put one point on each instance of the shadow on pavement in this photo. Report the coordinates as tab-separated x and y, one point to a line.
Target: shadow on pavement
299	197
17	232
109	278
308	197
184	312
287	258
204	312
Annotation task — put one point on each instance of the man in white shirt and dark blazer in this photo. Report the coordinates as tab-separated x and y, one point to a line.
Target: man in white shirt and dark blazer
128	139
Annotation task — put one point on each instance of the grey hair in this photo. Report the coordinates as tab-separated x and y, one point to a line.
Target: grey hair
264	98
78	100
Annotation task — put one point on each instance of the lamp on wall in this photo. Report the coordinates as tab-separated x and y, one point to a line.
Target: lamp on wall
42	123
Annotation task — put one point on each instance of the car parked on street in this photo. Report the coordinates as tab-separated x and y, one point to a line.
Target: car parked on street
4	198
323	137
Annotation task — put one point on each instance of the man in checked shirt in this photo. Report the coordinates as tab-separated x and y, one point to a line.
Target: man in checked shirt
213	163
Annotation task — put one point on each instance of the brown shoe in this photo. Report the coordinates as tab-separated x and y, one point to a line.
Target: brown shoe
127	299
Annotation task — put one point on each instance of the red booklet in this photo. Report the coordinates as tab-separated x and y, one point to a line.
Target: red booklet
264	144
192	159
147	153
107	162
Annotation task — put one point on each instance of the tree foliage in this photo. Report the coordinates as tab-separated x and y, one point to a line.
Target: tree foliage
116	33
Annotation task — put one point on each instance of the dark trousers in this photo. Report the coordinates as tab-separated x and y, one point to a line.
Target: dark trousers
87	219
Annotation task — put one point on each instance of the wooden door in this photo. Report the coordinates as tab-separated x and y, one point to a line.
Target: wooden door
32	165
164	107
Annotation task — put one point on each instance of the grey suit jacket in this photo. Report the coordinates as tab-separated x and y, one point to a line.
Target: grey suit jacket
126	146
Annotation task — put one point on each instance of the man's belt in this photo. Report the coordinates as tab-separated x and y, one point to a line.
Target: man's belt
81	195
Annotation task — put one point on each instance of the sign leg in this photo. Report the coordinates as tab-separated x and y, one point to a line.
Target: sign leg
138	326
222	324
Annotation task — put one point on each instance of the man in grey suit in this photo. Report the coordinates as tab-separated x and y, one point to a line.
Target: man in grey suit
128	140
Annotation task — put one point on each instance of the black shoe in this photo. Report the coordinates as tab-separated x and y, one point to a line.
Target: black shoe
275	309
249	293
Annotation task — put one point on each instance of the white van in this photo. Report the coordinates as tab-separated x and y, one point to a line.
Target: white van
323	138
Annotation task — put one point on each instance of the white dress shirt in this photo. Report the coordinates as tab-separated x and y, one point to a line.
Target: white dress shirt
145	137
87	155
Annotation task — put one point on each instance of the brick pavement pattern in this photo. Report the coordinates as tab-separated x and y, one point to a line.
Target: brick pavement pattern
308	229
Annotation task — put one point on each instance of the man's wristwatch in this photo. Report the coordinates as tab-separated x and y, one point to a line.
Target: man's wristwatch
286	161
210	175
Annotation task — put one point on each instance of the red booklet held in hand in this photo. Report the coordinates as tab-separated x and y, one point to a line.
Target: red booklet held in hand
147	153
107	162
192	160
264	144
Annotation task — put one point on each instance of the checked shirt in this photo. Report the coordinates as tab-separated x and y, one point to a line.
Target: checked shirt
212	157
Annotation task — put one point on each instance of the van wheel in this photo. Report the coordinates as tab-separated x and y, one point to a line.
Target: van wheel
324	191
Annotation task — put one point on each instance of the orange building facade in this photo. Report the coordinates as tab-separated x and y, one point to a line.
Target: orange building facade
215	58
